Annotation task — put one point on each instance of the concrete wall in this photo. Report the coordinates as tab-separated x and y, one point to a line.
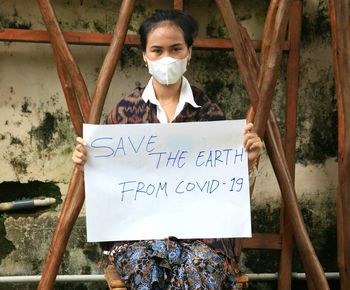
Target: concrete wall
37	138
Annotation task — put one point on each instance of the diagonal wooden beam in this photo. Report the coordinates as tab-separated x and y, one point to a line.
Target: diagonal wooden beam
339	16
263	96
65	56
75	195
70	96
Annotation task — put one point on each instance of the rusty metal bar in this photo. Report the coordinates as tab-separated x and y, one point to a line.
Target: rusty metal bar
75	196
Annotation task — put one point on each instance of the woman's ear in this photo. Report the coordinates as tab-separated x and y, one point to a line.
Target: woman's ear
189	53
144	57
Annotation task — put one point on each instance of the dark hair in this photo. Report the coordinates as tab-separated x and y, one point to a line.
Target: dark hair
184	21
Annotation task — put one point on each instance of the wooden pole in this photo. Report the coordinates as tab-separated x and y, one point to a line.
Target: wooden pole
75	196
274	142
69	93
62	49
339	16
285	268
179	5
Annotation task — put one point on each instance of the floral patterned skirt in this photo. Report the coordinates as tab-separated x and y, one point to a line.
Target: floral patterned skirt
172	265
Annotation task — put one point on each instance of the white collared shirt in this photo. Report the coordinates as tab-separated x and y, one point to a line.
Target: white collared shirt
186	96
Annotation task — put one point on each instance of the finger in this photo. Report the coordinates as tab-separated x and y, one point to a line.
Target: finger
80	148
248	127
249	136
78	160
253	141
80	141
80	155
257	146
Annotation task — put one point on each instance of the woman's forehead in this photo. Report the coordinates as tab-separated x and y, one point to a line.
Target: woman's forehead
165	33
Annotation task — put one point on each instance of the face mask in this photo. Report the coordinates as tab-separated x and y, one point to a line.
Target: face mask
167	70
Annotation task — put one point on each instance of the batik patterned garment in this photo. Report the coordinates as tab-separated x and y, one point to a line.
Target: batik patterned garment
171	263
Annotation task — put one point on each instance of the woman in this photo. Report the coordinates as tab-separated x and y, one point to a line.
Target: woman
166	39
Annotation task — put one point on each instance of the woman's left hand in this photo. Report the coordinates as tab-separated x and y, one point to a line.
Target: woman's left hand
252	144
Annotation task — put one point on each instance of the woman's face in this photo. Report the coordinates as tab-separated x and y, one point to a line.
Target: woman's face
166	40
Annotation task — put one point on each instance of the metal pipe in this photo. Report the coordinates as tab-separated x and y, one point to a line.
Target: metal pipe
97	277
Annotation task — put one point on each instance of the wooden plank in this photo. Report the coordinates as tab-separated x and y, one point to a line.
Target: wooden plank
65	56
285	267
88	38
75	195
179	4
264	241
339	16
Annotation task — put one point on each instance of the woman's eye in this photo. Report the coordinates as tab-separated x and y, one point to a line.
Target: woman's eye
157	51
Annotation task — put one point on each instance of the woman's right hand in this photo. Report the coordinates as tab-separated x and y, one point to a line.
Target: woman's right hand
79	154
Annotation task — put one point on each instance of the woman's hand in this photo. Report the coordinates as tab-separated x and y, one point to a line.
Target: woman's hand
252	144
79	154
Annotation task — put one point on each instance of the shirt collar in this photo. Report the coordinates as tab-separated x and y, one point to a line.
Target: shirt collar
186	95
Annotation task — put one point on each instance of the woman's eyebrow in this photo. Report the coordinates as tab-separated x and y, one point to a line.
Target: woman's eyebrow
173	45
176	44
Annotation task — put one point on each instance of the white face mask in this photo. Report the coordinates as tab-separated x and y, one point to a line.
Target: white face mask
167	70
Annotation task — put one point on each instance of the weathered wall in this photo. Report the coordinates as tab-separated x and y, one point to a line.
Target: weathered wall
37	138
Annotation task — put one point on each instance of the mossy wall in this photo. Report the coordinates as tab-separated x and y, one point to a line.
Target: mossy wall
37	137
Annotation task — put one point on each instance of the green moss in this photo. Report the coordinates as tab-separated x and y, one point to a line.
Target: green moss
218	76
216	29
86	270
15	22
131	56
318	123
91	250
67	151
316	25
319	214
320	219
101	27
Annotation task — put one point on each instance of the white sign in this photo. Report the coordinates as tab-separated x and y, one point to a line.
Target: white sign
152	181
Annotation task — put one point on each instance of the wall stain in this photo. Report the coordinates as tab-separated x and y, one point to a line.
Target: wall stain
15	141
14	22
44	132
25	106
6	246
316	24
320	220
317	121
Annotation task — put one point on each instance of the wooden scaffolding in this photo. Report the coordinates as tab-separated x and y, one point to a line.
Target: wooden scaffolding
259	75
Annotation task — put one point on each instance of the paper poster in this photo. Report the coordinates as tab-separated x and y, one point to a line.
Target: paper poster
152	181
